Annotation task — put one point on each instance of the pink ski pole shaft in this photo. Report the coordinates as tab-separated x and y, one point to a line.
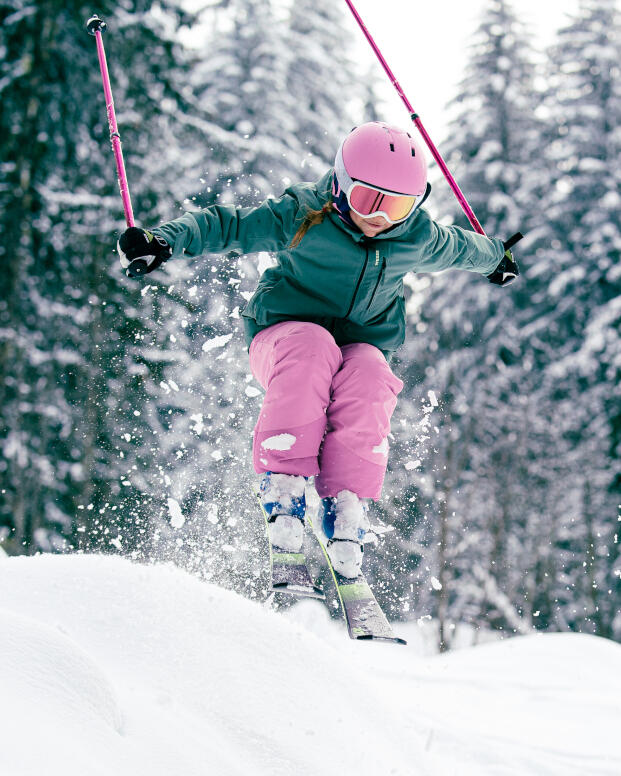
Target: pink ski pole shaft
419	125
96	27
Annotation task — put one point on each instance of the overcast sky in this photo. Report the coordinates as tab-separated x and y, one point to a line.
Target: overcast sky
425	44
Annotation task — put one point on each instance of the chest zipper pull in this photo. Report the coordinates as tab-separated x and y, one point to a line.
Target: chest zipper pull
377	257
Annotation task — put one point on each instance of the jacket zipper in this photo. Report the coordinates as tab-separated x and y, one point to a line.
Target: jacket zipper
378	281
364	267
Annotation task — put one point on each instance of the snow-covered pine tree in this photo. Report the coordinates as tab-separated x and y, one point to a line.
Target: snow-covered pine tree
242	82
73	354
539	490
578	318
322	78
463	346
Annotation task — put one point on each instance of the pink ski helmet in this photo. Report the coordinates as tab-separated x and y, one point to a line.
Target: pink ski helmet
383	156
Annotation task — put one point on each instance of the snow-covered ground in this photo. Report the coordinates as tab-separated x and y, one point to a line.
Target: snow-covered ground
113	668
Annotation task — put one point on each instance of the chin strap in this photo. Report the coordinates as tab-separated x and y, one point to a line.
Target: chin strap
425	196
341	205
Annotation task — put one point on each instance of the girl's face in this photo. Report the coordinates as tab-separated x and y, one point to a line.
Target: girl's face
369	226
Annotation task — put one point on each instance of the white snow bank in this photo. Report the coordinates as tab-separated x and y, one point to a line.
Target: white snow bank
35	655
53	686
110	667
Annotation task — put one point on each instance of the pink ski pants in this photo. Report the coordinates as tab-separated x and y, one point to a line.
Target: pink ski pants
326	410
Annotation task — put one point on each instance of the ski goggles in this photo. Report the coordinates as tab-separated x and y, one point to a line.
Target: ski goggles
369	201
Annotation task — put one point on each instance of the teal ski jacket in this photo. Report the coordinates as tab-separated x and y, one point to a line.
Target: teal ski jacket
336	277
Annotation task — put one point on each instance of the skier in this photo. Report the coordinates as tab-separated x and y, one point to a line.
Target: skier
324	321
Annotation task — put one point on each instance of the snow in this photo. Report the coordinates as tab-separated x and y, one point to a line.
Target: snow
279	442
113	667
382	448
216	342
282	487
176	515
199	424
168	386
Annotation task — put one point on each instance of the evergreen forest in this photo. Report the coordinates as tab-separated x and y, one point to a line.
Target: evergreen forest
127	407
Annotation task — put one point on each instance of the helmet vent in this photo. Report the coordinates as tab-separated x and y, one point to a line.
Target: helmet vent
413	152
392	147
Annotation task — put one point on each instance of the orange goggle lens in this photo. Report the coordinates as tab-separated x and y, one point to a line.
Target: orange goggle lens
367	201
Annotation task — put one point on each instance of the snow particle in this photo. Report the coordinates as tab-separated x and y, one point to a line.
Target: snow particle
382	448
199	425
176	516
279	442
216	342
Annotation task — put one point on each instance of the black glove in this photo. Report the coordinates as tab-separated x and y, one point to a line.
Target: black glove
506	272
141	251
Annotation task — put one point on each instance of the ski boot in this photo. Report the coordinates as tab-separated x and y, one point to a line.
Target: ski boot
345	522
284	502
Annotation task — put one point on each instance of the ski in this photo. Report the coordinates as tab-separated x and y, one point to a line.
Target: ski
363	615
289	572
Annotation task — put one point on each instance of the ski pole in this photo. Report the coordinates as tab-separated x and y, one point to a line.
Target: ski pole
419	125
96	27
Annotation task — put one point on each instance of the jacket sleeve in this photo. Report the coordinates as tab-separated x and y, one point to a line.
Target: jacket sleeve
220	228
451	247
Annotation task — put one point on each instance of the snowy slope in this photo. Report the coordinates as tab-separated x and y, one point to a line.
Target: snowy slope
110	667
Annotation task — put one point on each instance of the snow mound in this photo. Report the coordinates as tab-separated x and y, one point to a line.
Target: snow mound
112	667
51	686
207	681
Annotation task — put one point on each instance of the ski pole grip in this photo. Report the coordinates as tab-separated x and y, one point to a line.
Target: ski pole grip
515	238
95	24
